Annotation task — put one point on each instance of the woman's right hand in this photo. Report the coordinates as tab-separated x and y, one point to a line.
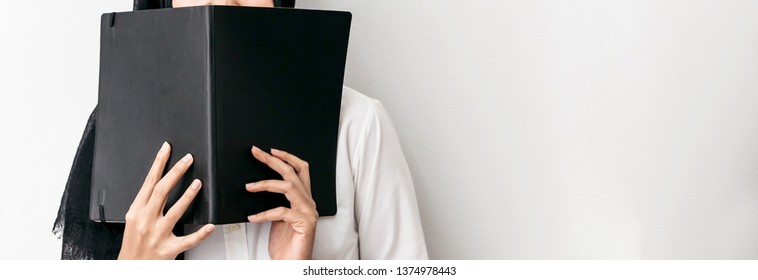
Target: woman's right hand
148	233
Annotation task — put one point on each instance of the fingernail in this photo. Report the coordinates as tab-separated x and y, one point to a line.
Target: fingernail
256	148
164	147
195	184
187	158
249	185
251	218
210	228
274	150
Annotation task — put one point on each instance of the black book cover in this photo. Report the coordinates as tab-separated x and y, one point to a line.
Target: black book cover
213	81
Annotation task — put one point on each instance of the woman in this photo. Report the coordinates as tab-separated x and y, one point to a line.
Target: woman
377	215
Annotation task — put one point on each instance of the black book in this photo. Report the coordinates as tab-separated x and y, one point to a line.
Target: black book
213	81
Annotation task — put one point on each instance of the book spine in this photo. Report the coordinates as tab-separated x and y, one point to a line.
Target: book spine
212	191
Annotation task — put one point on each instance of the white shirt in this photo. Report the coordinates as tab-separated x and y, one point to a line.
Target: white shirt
377	215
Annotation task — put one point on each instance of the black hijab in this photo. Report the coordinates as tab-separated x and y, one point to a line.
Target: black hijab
83	238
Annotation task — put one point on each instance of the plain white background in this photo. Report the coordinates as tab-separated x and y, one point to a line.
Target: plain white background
534	129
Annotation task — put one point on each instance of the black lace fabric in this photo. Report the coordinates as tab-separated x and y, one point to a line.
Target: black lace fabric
83	238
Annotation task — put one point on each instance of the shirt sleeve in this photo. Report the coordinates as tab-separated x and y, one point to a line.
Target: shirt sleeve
386	211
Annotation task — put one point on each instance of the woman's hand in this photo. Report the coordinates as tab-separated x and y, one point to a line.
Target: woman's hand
292	229
148	233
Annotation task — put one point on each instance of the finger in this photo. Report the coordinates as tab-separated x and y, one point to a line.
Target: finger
189	241
300	222
298	164
273	215
164	186
284	169
175	213
154	175
295	195
301	166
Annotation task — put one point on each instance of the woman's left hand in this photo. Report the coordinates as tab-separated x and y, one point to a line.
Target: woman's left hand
292	229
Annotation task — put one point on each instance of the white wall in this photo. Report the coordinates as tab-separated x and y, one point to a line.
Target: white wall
534	129
571	129
48	87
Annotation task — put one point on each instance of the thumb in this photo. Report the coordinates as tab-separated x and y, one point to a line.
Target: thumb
189	241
